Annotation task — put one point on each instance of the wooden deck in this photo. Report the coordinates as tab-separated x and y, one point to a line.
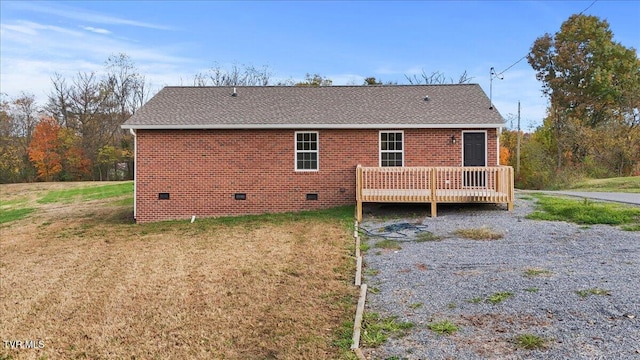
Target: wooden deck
434	185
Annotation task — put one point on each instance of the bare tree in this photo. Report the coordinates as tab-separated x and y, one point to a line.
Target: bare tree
436	77
243	75
25	115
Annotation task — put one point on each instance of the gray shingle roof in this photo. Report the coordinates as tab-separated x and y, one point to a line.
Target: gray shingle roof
392	106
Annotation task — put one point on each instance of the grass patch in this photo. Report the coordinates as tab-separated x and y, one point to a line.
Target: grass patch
344	337
427	236
536	272
499	297
376	329
388	244
584	212
629	184
530	342
592	291
415	306
445	327
635	227
475	300
531	290
371	272
7	204
364	243
481	233
128	201
14	214
88	193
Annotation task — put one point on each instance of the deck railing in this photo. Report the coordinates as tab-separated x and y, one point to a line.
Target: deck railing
434	185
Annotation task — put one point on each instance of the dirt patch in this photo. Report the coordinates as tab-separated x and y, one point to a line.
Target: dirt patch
90	284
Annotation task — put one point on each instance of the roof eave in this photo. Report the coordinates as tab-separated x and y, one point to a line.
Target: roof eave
310	126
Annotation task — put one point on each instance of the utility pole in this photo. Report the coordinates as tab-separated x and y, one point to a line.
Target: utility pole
518	144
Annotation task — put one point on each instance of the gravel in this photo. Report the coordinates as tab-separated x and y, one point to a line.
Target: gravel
451	279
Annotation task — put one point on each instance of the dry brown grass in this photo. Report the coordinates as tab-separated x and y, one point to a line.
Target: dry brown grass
481	233
90	284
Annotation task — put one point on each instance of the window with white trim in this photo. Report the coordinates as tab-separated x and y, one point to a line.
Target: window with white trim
391	148
306	151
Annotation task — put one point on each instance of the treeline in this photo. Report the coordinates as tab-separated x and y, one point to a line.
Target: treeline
592	127
76	135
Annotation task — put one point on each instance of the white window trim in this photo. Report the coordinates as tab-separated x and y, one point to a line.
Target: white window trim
296	151
380	145
486	144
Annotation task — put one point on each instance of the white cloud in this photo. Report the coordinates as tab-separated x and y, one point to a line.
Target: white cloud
83	15
32	52
346	79
97	30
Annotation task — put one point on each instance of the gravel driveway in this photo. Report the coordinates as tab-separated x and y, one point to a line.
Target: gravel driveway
544	265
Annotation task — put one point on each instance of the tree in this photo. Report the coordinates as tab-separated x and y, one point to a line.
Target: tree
75	164
315	80
592	83
18	118
372	81
243	75
436	77
44	149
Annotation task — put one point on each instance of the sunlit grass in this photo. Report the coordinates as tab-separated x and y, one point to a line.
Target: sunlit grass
584	211
14	214
88	193
629	184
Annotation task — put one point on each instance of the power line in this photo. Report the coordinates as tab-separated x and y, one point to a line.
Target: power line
594	1
512	65
524	57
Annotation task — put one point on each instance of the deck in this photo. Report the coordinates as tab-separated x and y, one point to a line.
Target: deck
434	185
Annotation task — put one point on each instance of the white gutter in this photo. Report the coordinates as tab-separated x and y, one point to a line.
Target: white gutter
312	126
135	171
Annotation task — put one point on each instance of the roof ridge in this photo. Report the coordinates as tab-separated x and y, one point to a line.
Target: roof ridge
317	87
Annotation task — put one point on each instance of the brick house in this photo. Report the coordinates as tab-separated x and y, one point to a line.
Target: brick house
213	151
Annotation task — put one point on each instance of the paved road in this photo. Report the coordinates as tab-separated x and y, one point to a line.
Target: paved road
628	198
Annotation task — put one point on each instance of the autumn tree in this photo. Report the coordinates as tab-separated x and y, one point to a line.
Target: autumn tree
44	149
593	84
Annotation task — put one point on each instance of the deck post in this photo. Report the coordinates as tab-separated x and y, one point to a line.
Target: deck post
434	193
511	189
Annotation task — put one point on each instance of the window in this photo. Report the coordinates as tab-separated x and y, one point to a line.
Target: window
306	151
391	149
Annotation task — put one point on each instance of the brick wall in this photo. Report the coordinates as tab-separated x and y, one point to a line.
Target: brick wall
201	170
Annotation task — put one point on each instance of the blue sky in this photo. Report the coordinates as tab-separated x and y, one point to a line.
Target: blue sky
171	41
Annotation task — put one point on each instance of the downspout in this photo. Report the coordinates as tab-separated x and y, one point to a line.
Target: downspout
135	171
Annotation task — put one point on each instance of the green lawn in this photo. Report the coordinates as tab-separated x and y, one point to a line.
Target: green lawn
623	184
87	193
14	214
586	212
